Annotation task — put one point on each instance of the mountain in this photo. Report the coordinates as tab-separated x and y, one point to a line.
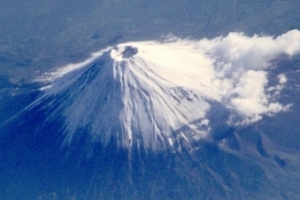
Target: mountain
126	94
175	119
152	94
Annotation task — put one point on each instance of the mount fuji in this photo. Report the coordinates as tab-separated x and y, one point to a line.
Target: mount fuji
171	119
160	95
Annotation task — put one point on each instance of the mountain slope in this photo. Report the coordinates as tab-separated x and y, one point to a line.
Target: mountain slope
143	103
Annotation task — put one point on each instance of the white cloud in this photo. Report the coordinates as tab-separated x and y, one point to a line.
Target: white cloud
241	64
282	79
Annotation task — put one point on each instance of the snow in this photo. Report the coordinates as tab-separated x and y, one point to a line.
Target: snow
155	94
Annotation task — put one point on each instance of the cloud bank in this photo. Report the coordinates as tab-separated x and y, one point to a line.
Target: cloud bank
241	66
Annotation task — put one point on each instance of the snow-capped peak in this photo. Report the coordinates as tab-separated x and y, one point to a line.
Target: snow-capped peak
136	94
